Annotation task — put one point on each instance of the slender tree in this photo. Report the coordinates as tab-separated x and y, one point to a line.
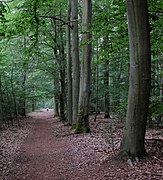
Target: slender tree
55	100
97	81
69	70
106	84
75	59
140	75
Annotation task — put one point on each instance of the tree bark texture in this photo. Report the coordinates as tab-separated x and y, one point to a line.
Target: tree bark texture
55	99
75	59
69	70
140	77
60	60
84	96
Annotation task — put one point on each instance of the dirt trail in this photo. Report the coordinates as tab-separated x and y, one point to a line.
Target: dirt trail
42	156
51	152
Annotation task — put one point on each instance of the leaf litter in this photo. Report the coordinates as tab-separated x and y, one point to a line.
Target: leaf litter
45	149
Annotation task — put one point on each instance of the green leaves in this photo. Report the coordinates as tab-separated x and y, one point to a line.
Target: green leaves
3	10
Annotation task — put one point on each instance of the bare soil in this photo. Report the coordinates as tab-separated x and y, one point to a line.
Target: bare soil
45	149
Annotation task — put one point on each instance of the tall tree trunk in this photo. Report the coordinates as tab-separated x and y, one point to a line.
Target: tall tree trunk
161	85
75	59
106	85
62	96
140	76
62	78
55	106
33	104
60	60
55	100
97	83
69	70
13	93
84	96
160	118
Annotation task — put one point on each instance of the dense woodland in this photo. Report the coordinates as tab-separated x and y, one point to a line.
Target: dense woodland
83	57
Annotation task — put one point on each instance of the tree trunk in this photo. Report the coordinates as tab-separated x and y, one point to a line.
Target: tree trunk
160	118
140	76
55	106
69	70
84	96
62	98
60	60
97	83
62	78
33	104
13	94
55	100
75	59
106	85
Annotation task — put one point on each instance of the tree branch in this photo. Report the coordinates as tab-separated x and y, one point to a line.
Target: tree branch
54	17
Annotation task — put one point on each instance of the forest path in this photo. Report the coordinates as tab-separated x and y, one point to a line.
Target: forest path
49	151
43	156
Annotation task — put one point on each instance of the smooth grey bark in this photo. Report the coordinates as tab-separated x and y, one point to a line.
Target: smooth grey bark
85	78
69	68
55	100
75	59
139	80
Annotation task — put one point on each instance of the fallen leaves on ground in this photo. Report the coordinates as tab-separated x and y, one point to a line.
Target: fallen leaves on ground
75	156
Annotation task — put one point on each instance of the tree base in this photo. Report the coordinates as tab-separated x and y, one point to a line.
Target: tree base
106	116
124	156
82	129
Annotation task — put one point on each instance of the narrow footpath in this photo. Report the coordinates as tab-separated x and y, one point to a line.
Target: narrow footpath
52	152
43	156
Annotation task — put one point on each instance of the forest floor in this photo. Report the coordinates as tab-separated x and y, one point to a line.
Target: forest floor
45	149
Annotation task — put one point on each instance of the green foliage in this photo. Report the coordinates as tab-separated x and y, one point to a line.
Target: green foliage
3	10
29	47
156	107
